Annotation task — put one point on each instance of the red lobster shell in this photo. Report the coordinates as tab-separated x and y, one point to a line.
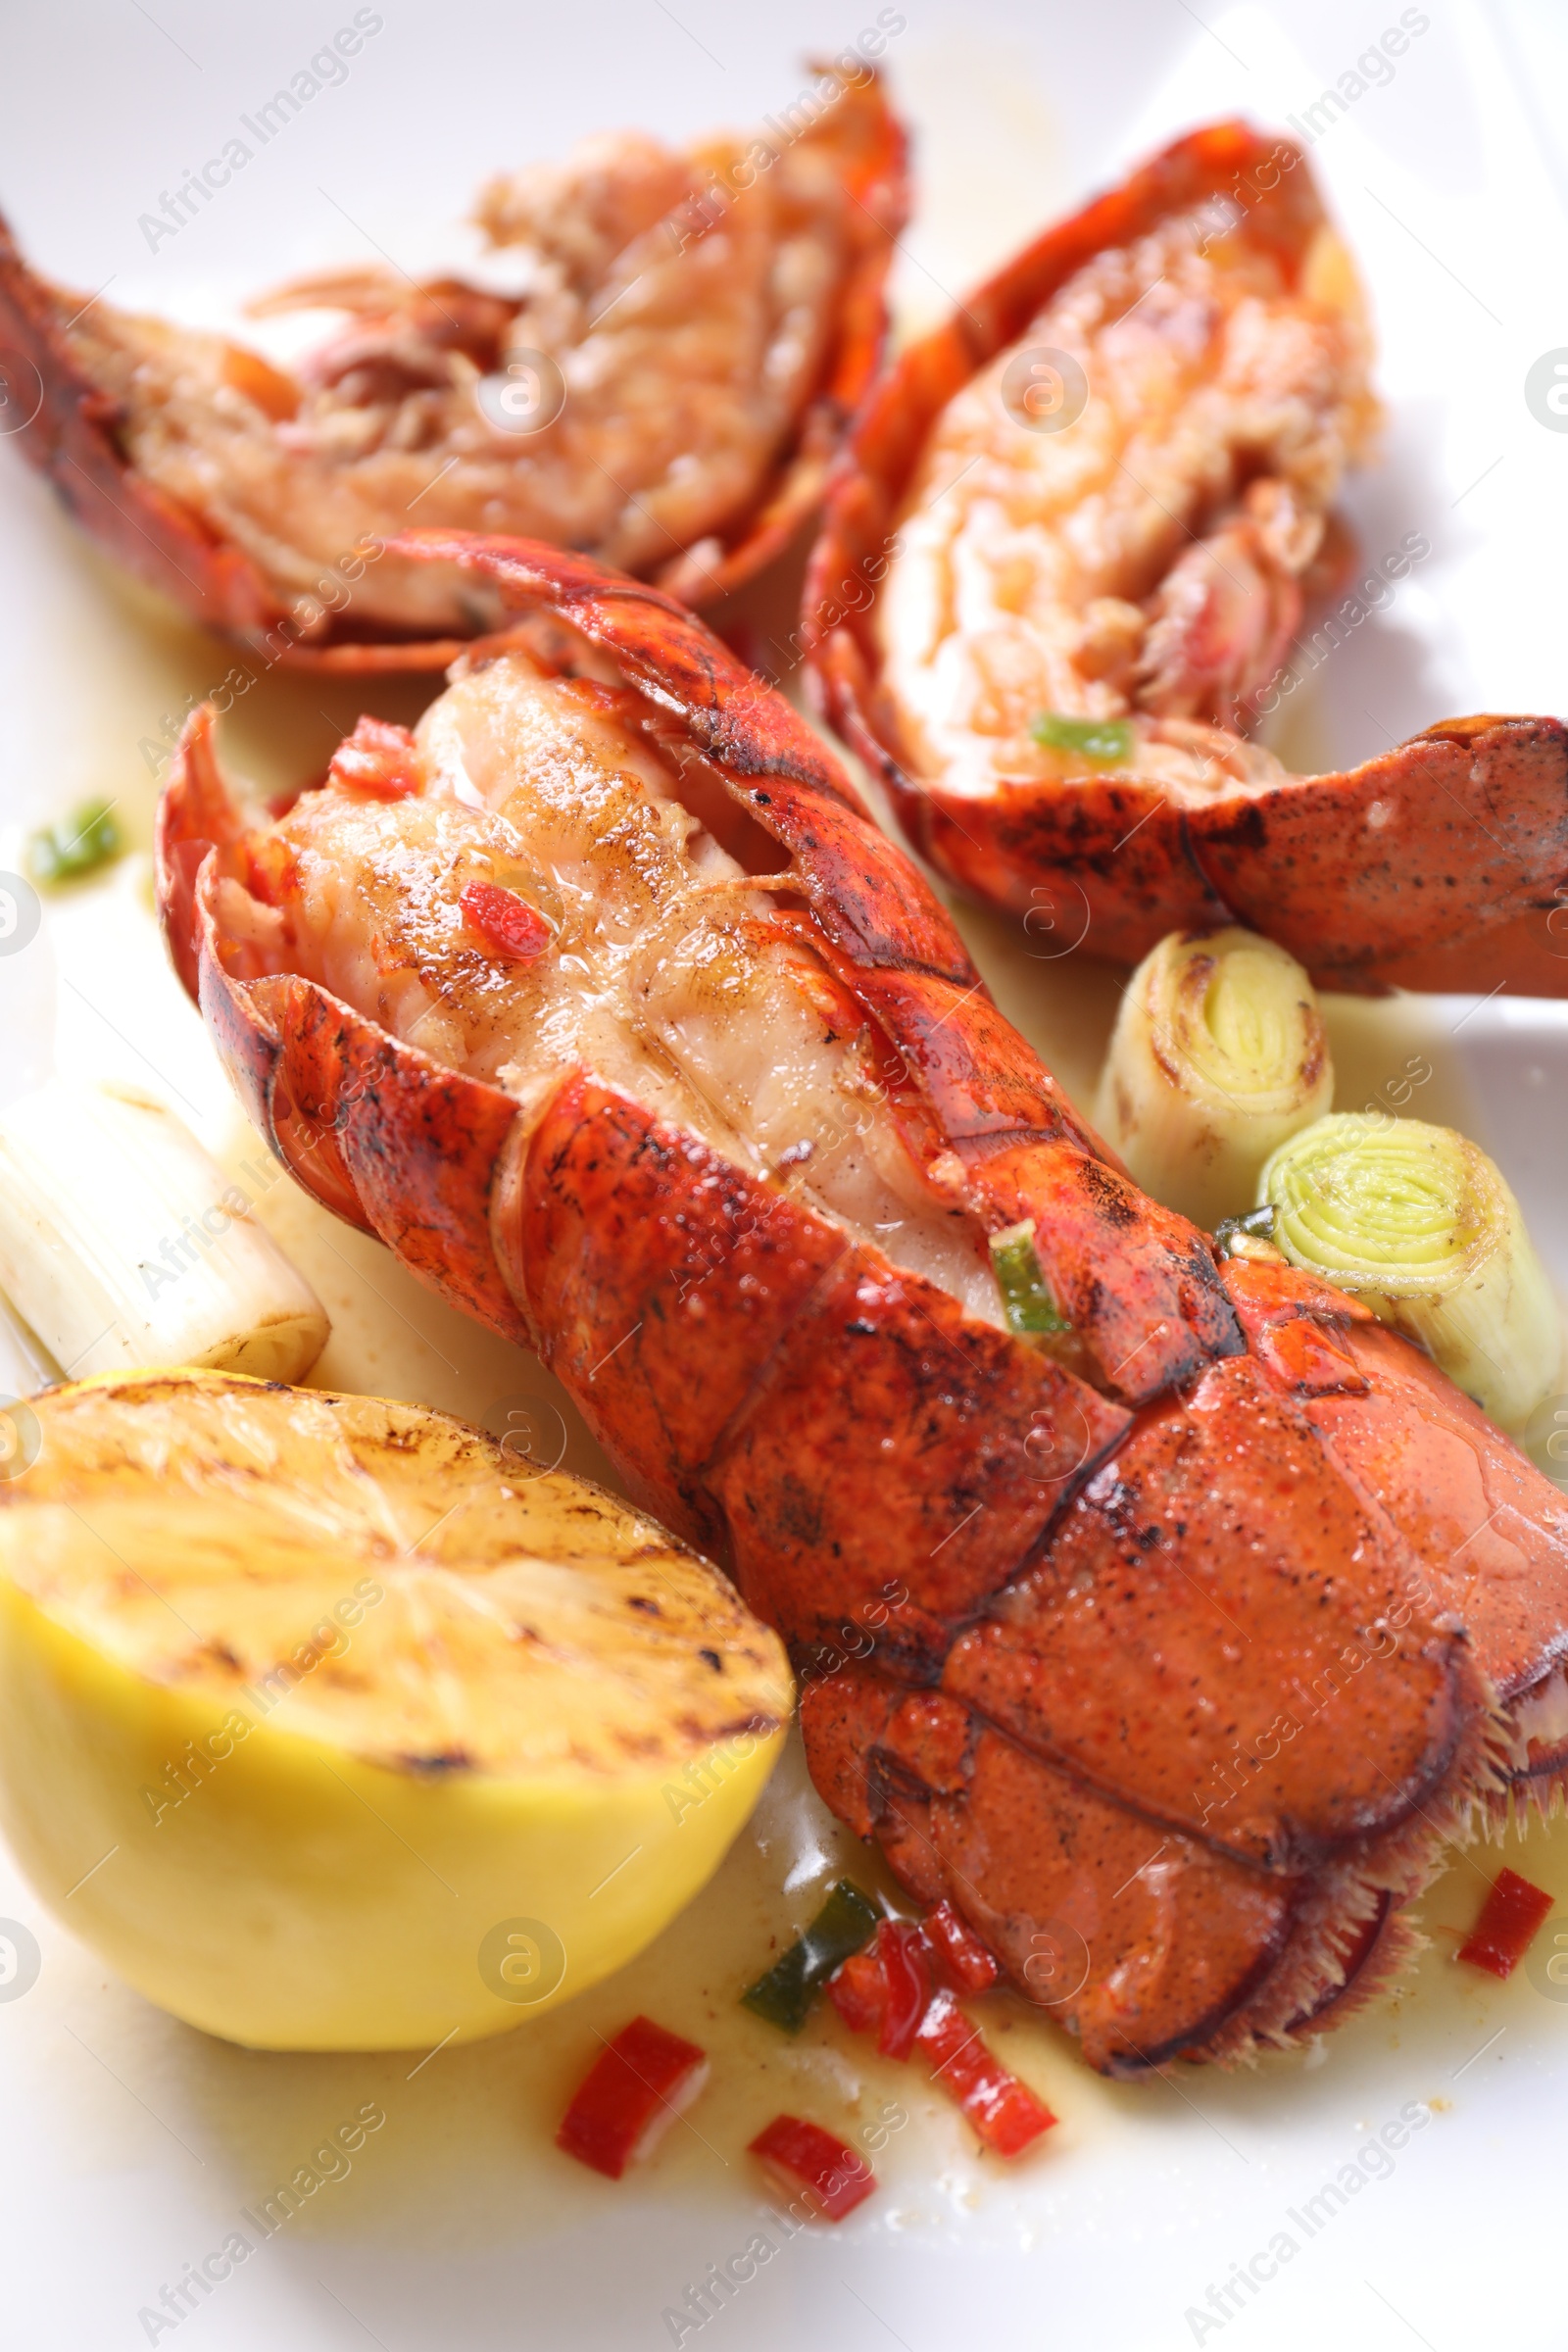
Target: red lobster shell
73	432
1441	865
1171	1670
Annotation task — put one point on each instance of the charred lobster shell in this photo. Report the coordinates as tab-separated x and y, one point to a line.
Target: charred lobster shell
1180	1662
1439	864
71	427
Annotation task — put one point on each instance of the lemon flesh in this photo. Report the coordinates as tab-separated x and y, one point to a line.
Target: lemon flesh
330	1728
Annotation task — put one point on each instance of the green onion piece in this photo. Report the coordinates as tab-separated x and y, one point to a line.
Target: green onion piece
1257	1226
86	838
1103	742
1031	1310
784	1996
1421	1226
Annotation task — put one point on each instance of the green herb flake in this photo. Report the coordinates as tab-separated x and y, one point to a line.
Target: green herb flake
846	1921
1257	1226
1103	742
62	853
1031	1310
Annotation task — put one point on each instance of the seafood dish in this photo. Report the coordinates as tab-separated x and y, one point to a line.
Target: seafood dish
601	1001
799	1413
1051	625
690	333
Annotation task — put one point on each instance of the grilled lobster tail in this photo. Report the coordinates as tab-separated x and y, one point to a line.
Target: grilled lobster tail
195	464
1170	1651
1440	864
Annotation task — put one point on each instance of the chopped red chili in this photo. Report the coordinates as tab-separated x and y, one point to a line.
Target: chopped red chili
509	926
801	2156
630	2096
871	1993
380	759
907	1986
1511	1918
959	1951
1002	2110
858	1991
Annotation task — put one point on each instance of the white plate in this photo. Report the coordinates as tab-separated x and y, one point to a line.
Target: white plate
135	2148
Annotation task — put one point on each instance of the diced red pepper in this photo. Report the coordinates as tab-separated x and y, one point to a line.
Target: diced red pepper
959	1951
877	1990
907	1986
872	1991
509	926
1002	2110
1511	1918
631	2094
802	2156
380	759
858	1991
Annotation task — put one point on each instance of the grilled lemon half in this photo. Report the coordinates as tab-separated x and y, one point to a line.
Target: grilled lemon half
330	1728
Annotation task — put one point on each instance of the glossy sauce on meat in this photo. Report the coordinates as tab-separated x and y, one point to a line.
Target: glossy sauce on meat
1149	559
680	341
669	973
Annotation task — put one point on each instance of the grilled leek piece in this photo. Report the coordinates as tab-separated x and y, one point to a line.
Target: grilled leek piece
1218	1054
123	1244
1420	1224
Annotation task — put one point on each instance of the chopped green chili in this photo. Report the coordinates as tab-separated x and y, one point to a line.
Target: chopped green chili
1103	742
1032	1312
86	838
1257	1225
784	1996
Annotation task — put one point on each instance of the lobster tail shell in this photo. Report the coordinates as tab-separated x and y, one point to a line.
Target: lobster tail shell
1020	1143
1439	864
72	435
1157	1666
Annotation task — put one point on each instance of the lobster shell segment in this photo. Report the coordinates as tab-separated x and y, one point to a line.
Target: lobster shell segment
74	426
1159	1669
1021	1145
1442	863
